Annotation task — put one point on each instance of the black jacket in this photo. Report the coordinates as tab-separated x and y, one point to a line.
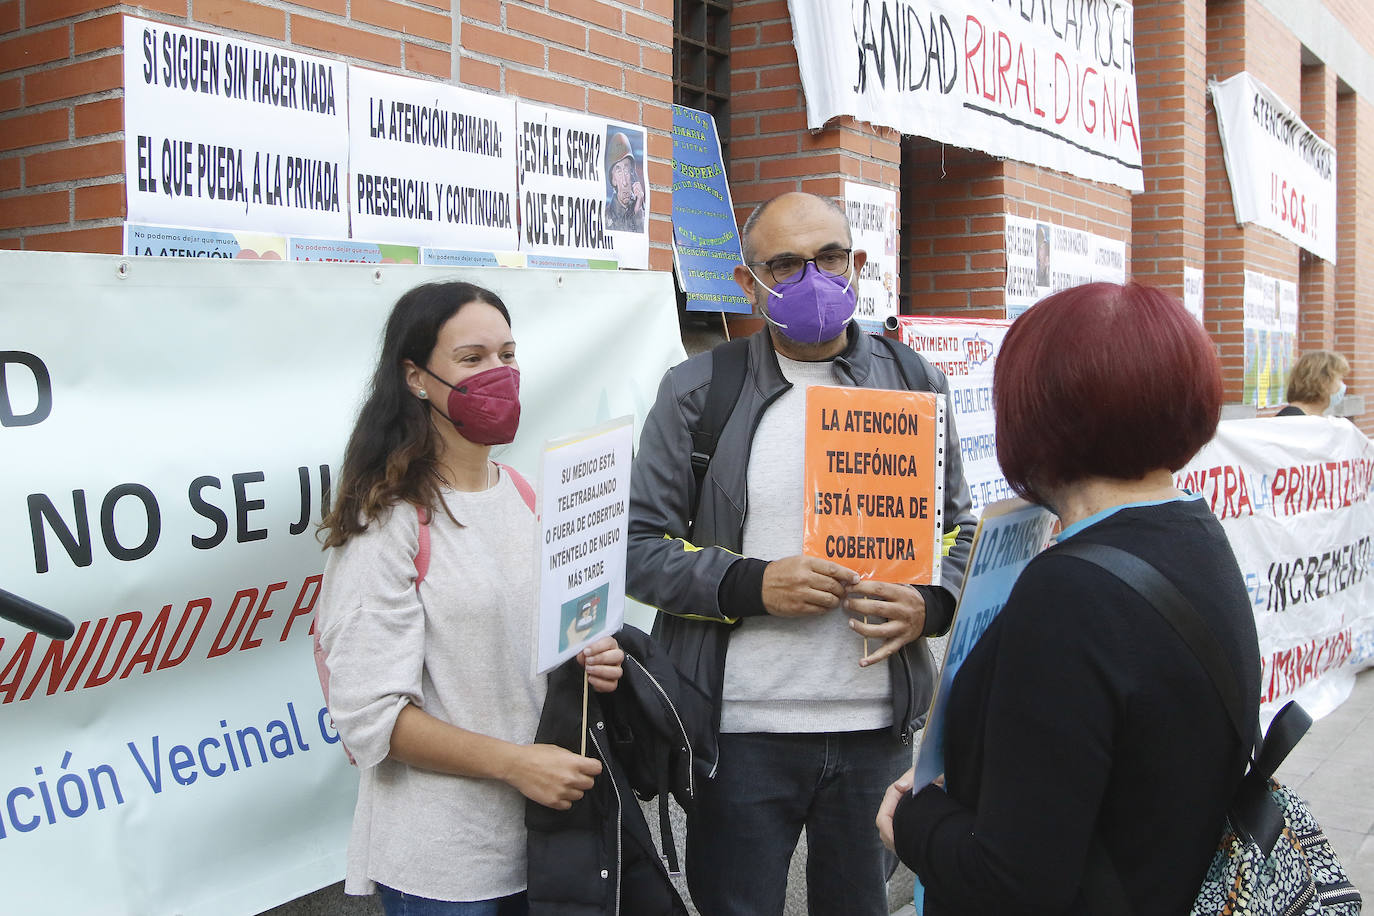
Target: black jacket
599	857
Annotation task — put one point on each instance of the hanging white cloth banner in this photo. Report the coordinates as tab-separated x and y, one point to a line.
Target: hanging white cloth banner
1057	89
1283	176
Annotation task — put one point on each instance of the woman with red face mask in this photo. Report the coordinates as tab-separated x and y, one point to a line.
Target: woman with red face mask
429	667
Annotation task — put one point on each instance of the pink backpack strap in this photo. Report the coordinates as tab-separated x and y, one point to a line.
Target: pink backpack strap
422	551
521	484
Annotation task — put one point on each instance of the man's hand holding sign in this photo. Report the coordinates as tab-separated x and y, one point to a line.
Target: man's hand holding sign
873	507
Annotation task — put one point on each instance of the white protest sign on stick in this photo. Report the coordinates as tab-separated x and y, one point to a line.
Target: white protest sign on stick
431	164
230	134
583	192
584	516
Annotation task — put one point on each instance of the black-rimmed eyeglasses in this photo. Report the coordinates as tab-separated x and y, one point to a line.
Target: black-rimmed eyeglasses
788	268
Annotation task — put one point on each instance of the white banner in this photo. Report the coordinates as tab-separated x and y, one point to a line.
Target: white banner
1283	176
230	134
1270	325
431	164
872	216
965	350
1050	84
583	190
1293	494
165	470
1044	258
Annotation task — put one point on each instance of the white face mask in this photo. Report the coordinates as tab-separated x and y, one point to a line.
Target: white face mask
1336	397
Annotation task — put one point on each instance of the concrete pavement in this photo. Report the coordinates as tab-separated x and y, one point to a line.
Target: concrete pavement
1332	768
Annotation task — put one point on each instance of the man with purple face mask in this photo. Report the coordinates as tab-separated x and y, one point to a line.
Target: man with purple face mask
811	730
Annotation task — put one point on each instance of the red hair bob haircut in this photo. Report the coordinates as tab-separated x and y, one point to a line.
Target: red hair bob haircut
1103	380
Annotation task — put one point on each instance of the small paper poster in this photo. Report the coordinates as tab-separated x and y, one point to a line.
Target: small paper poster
1009	534
874	478
584	518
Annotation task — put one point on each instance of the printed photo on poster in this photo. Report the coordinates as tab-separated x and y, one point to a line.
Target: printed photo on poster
625	198
577	173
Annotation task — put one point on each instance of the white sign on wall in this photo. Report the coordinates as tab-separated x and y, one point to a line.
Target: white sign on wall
965	350
1271	329
231	134
431	164
872	216
1283	176
1044	258
583	191
1192	291
1023	81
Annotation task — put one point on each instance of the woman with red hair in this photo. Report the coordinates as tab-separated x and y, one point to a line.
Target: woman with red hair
1081	725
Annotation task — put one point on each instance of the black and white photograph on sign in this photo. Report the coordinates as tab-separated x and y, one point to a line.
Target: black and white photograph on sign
1042	254
223	133
624	180
583	190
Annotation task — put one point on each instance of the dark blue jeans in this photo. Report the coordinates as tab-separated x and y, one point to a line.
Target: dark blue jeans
745	823
399	903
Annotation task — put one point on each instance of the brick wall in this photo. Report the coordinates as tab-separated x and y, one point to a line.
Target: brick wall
1171	70
61	84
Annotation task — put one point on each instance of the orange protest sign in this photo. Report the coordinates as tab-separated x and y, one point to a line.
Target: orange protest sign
874	477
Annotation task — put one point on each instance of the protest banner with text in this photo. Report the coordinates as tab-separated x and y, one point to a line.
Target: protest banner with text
706	244
167	468
1283	176
874	481
431	164
965	350
872	216
1293	494
1044	258
1049	83
583	191
230	134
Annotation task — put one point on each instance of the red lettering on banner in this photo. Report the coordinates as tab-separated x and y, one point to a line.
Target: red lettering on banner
1289	669
303	607
101	646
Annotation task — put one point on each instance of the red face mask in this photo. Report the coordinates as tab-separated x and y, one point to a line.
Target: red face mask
485	407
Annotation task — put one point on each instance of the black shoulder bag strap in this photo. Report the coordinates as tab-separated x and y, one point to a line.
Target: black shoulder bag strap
1101	882
904	355
729	363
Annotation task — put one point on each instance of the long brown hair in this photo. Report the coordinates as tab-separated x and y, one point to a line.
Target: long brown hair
391	454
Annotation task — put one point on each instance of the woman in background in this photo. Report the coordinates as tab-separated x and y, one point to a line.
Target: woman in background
1081	723
1316	385
430	682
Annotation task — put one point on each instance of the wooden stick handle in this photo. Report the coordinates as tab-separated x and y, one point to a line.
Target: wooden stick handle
583	752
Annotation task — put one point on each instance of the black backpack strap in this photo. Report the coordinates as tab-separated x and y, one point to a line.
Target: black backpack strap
729	363
1166	599
909	362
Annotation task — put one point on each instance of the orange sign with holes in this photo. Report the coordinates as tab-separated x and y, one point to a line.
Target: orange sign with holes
874	479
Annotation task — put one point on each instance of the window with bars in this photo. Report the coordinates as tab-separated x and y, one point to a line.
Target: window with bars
701	61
